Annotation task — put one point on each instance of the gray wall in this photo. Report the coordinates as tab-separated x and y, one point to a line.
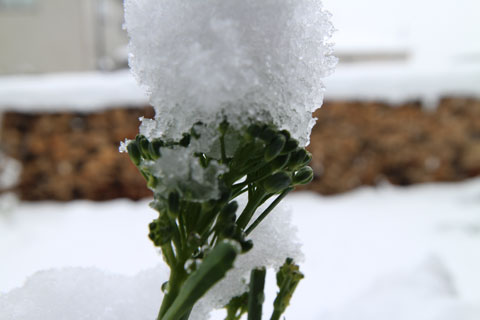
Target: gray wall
59	35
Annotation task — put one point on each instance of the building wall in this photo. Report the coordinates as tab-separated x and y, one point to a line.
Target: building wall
55	35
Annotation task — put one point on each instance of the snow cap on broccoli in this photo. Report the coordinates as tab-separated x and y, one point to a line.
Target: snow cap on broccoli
249	60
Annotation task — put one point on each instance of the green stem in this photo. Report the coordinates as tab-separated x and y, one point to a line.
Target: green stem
237	193
169	255
182	233
175	282
186	315
256	296
211	270
206	220
177	238
249	210
268	210
258	165
276	315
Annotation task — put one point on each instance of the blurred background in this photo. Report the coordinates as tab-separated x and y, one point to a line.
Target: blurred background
401	118
402	106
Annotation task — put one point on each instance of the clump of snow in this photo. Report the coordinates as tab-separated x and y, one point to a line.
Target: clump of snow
179	169
274	240
85	293
79	92
247	60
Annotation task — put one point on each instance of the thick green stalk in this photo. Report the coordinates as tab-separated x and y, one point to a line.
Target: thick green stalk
168	254
213	269
276	315
177	277
256	296
249	210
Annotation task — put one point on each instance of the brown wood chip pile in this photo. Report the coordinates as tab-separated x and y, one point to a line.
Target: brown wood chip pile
68	156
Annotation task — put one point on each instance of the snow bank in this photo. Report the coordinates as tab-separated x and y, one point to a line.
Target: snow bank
423	293
391	82
78	92
85	293
400	82
365	250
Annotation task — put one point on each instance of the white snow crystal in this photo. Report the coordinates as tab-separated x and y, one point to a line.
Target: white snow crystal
246	60
85	293
180	170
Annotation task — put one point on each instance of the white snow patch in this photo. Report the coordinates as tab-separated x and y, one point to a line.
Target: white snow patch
359	248
393	82
85	293
399	82
424	293
80	92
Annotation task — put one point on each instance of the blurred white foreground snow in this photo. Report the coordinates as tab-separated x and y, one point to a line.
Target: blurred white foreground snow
373	254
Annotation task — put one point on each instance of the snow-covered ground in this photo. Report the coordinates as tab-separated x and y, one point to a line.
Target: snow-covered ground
372	254
394	82
84	92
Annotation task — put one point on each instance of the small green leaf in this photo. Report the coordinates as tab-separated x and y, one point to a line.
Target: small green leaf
134	152
277	182
288	278
267	134
303	176
161	230
154	148
290	145
274	147
144	146
299	158
254	130
279	162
